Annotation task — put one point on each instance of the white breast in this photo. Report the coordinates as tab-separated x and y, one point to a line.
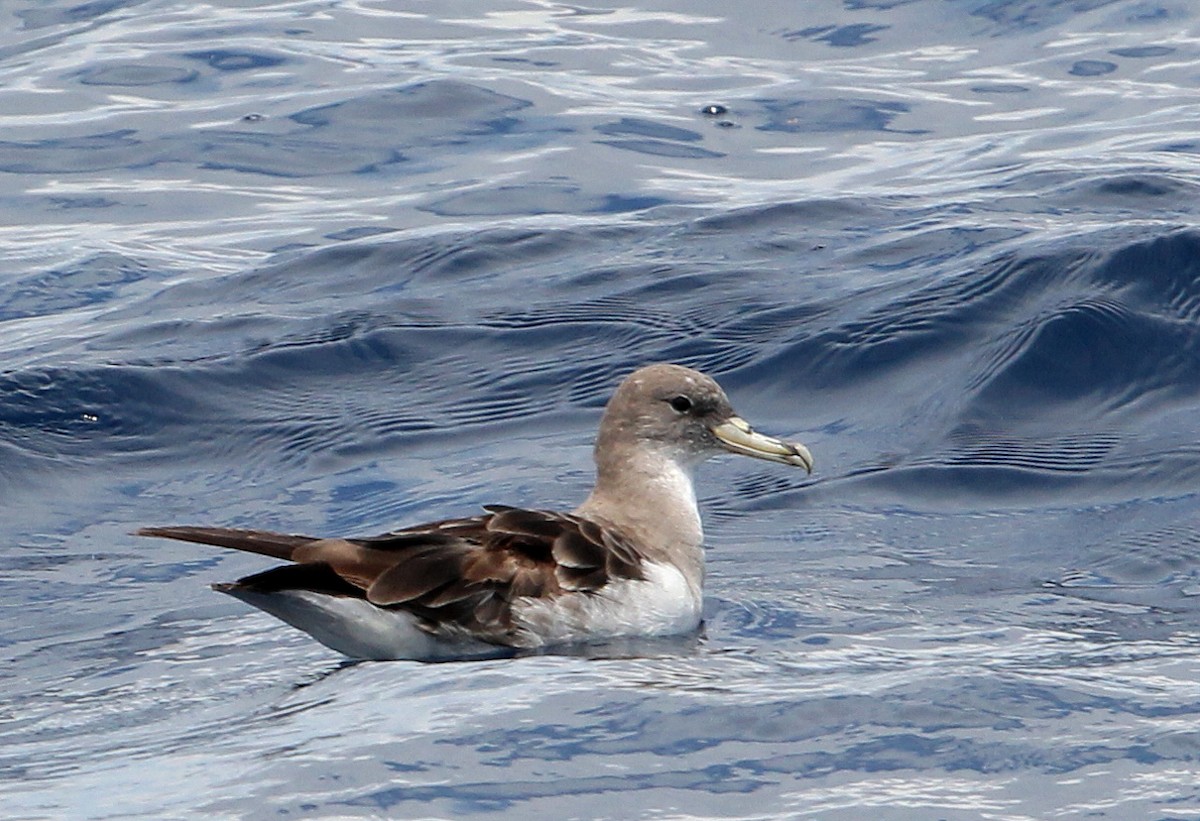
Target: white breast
662	604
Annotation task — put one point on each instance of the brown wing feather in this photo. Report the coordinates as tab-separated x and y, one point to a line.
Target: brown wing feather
420	572
358	564
465	573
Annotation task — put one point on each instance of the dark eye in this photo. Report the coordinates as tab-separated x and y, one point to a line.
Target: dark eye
681	404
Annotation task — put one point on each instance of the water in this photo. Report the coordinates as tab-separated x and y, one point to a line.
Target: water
334	268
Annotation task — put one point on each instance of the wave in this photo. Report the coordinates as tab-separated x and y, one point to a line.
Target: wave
1055	364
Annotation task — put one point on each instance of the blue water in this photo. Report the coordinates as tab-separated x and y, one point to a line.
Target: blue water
338	267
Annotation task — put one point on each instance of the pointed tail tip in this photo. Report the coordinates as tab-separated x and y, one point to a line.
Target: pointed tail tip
169	531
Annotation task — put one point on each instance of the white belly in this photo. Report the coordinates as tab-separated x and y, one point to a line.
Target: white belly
360	630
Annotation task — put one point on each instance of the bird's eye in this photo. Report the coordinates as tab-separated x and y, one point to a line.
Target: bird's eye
681	404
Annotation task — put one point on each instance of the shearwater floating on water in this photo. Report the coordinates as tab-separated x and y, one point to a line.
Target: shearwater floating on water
628	562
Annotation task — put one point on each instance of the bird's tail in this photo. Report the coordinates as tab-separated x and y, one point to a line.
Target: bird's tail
263	542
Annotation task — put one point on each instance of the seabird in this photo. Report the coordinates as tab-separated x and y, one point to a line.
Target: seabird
628	562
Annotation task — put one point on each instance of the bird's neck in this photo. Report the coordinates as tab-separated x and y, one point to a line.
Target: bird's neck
648	494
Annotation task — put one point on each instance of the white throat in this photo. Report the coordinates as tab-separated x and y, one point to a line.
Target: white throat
674	485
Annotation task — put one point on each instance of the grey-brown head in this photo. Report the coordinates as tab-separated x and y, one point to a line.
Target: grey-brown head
684	415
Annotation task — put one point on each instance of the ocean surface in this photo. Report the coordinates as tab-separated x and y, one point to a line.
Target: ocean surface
337	267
